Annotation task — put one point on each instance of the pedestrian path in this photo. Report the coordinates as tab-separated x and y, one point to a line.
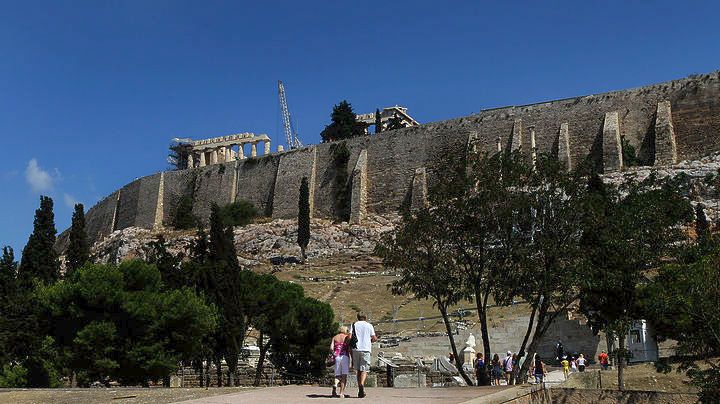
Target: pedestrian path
314	394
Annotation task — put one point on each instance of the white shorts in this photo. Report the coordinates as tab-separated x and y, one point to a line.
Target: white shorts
361	360
342	365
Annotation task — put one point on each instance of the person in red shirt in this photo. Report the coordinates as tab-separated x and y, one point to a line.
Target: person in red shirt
603	358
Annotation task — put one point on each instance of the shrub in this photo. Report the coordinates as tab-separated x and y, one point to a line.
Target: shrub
238	213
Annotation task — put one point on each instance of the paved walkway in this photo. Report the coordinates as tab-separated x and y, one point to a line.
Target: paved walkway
311	394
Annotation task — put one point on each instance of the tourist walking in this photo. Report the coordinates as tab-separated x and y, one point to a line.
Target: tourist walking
339	348
497	371
508	367
539	370
566	367
480	370
363	334
581	363
603	359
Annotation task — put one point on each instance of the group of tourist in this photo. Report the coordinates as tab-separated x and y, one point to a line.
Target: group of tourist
508	369
355	344
352	347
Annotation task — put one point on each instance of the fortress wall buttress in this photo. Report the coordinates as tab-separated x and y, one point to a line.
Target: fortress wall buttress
665	122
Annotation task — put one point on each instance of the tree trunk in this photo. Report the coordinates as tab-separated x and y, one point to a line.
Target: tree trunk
207	373
218	370
465	377
540	329
202	375
620	364
481	303
524	345
261	359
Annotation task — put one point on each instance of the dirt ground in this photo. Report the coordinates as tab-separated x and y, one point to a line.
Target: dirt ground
351	283
117	396
637	377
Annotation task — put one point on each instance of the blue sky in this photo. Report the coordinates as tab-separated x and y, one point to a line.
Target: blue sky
91	92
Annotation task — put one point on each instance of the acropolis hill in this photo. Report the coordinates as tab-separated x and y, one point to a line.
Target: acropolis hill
666	123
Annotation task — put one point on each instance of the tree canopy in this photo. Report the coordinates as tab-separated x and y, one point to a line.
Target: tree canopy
344	124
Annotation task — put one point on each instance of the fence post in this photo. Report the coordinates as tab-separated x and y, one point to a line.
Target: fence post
600	379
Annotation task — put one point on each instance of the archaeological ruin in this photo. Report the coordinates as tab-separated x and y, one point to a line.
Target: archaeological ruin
665	123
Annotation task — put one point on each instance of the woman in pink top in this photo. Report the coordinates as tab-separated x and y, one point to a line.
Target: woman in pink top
339	348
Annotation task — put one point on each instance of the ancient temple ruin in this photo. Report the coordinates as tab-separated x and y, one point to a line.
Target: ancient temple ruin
388	113
200	153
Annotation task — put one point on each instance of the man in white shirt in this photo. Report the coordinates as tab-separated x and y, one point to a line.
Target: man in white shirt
361	353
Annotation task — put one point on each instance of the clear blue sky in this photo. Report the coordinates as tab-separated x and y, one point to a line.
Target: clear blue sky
91	92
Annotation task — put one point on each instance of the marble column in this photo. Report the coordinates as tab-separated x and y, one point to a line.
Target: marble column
253	149
190	163
241	151
267	147
203	163
228	153
214	156
280	148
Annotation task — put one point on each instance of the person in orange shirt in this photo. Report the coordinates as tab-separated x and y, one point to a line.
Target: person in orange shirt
603	359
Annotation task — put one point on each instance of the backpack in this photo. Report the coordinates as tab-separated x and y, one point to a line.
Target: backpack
353	339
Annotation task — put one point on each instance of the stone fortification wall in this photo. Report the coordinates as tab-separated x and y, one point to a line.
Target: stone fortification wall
256	182
665	122
293	166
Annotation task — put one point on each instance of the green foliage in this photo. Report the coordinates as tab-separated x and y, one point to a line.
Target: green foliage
78	250
627	232
395	123
423	257
629	154
238	213
341	188
304	216
117	322
39	259
344	124
168	264
378	121
177	156
13	376
184	218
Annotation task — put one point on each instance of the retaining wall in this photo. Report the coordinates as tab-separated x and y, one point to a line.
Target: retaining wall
272	181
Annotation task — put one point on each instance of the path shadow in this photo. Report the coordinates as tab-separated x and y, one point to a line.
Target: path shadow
320	396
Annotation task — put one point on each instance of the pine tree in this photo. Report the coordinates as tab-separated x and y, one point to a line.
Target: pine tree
395	123
78	251
378	121
39	259
304	217
344	124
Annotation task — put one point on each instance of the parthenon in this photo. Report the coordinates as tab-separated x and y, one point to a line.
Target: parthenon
221	149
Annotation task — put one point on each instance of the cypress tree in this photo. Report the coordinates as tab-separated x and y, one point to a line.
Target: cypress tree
8	274
304	217
222	244
78	252
702	227
39	259
378	121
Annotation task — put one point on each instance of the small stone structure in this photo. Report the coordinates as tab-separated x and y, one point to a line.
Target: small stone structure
386	114
223	149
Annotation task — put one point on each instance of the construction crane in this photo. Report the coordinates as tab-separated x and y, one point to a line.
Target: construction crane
290	135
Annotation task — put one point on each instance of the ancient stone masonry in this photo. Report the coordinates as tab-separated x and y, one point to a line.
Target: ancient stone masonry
564	146
612	147
666	123
358	204
224	149
386	114
665	147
